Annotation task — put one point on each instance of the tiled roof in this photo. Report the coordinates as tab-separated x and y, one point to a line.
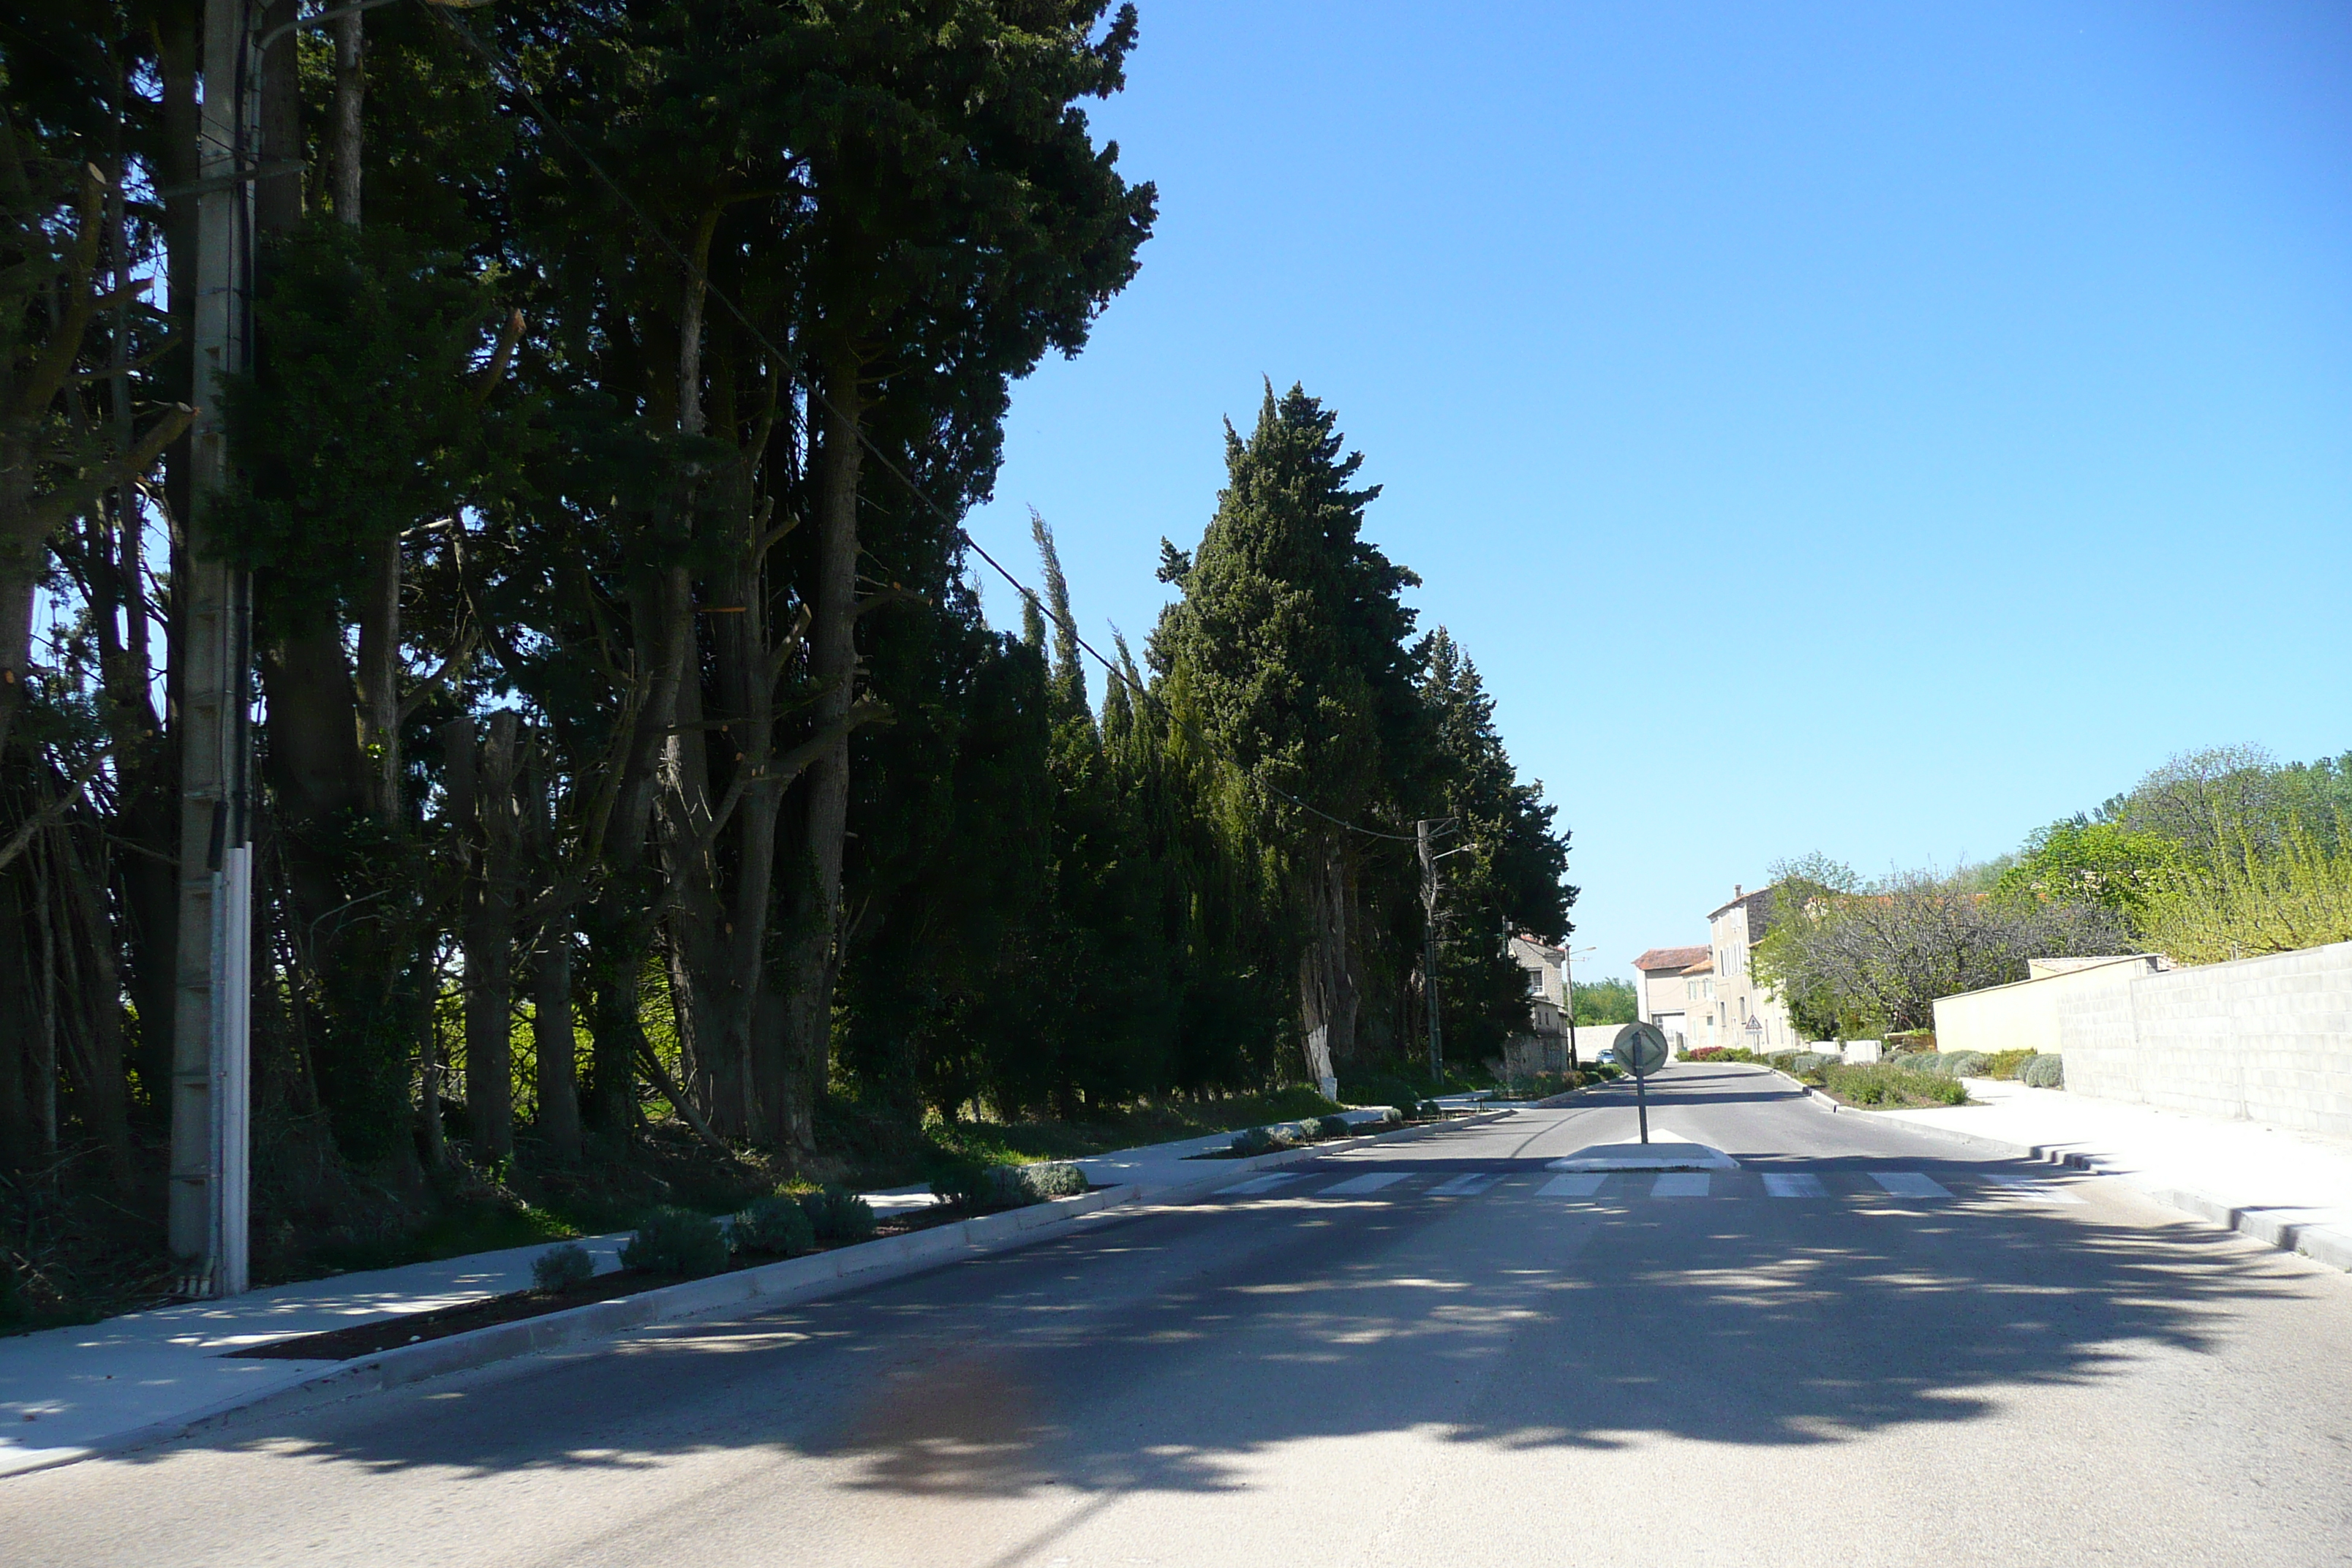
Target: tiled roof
1673	958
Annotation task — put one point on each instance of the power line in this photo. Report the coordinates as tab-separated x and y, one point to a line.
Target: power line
502	68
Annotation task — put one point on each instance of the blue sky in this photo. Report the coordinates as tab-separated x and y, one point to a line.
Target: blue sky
1874	429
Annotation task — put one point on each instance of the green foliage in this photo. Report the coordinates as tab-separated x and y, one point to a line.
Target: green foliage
560	1268
838	1214
1879	1083
2250	900
2045	1071
2103	863
1601	1002
2004	1064
776	1224
676	1241
1335	1126
966	1185
360	421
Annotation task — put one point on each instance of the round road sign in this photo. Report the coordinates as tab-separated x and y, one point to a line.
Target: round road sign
1641	1048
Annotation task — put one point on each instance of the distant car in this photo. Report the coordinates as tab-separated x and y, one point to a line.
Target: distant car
1608	1055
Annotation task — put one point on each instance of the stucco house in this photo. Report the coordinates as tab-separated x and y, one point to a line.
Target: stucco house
1672	985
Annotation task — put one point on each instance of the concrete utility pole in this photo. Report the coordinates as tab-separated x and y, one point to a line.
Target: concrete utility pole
211	1058
1424	834
1568	989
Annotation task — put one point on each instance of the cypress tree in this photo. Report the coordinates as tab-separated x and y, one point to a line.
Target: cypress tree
1287	652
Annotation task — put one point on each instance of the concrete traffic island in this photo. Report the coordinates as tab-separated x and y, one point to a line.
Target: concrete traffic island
1662	1153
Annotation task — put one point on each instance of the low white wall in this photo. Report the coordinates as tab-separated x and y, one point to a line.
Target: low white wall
2269	1039
2024	1016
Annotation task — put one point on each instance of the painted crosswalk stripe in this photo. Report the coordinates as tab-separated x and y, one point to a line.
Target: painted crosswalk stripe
1680	1184
1263	1183
1909	1185
1570	1187
2033	1190
1464	1187
1371	1183
1781	1184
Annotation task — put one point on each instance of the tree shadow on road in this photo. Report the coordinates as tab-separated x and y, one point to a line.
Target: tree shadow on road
1166	1351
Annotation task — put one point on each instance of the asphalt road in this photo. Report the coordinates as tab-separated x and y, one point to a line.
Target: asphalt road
1441	1369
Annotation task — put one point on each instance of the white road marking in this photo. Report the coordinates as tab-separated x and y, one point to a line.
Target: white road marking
1781	1184
1466	1186
1570	1186
1371	1183
1263	1183
1909	1185
1680	1184
2033	1189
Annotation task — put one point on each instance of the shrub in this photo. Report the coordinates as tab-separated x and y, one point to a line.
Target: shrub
838	1214
2045	1072
1014	1185
1255	1141
564	1267
965	1185
777	1224
676	1241
1704	1054
2004	1064
1963	1064
1884	1084
1430	1110
1335	1126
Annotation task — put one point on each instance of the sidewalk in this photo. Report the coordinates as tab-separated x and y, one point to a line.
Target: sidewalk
2289	1189
67	1393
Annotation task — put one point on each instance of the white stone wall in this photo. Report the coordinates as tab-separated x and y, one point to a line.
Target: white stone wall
2023	1016
2268	1039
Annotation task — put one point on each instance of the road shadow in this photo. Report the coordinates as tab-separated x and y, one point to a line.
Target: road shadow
1161	1352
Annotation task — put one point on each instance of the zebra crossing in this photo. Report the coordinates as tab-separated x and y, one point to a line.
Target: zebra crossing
1869	1187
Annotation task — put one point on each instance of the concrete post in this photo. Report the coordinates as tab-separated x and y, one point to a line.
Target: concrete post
211	1137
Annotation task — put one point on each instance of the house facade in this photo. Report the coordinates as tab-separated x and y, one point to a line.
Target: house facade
1747	1013
1672	986
1545	1047
1703	996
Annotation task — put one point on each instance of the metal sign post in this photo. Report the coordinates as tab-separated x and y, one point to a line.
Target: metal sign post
1641	1049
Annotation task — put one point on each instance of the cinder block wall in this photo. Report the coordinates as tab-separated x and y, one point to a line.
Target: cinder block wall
2269	1039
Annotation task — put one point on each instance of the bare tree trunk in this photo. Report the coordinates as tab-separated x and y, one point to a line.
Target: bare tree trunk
428	1097
44	976
811	966
619	924
16	625
556	1071
105	1110
17	1024
351	88
1328	998
555	1056
489	932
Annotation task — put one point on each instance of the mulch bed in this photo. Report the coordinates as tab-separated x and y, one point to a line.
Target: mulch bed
414	1328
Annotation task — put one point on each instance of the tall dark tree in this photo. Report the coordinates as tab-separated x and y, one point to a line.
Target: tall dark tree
1287	654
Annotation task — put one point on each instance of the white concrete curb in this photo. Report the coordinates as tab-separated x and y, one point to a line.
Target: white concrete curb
2317	1242
792	1280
